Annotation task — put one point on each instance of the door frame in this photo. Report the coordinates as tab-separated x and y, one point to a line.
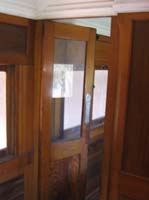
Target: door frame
123	73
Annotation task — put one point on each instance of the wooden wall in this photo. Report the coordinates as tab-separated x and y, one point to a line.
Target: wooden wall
16	55
102	51
130	148
19	169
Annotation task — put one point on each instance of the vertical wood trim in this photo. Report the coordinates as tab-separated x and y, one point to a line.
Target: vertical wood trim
89	76
110	108
47	70
124	55
37	100
28	182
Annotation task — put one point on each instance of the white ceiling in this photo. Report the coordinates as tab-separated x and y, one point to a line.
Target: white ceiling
57	9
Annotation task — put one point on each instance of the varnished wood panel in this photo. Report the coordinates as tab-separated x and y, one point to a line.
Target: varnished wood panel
129	176
17	40
134	187
13	38
24	85
95	156
13	167
63	179
124	198
102	51
57	155
64	149
110	108
13	189
136	141
66	31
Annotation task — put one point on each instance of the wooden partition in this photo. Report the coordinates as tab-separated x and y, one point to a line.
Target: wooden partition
16	57
130	150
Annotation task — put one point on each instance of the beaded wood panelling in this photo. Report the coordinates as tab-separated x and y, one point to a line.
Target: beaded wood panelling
136	142
63	179
13	38
95	154
12	190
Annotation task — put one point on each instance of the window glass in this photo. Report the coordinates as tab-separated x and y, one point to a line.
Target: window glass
3	131
99	97
67	91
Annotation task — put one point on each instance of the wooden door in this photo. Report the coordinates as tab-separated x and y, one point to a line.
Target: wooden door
67	81
130	155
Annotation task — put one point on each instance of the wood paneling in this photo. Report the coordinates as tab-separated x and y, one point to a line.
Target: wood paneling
13	167
95	156
110	109
63	178
56	154
130	149
66	31
13	38
17	40
37	98
13	189
102	51
134	187
136	142
24	85
124	198
64	149
16	49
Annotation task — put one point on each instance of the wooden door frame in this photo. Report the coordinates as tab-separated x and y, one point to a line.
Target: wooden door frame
124	59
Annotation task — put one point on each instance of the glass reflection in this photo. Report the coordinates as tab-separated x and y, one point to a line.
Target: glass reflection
67	91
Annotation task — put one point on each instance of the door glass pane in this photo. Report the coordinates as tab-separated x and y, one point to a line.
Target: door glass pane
3	134
67	91
99	97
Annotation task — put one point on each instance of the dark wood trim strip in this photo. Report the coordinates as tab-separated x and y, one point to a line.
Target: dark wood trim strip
9	19
15	166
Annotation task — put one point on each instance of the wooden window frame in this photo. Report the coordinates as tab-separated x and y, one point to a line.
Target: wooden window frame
10	111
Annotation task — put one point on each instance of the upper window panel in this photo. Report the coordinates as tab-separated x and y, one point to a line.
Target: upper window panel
67	91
